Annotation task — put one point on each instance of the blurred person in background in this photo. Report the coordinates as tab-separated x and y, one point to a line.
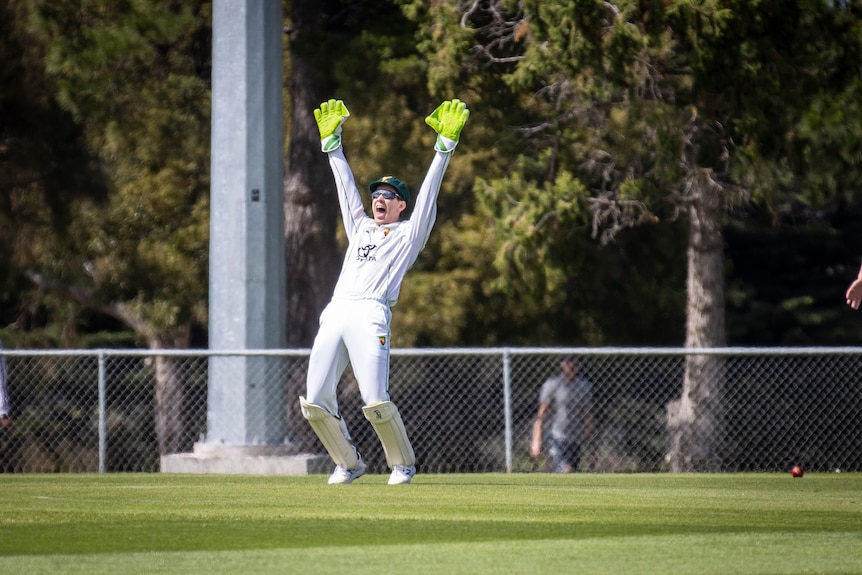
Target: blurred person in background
5	420
565	406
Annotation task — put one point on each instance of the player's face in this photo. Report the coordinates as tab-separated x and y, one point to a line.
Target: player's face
570	368
386	210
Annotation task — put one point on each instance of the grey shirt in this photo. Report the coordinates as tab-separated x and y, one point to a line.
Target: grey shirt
569	401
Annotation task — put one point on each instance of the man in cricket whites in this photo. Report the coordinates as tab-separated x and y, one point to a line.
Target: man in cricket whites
355	324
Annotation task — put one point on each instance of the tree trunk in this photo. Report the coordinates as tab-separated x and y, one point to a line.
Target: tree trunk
169	373
170	394
694	420
311	213
310	205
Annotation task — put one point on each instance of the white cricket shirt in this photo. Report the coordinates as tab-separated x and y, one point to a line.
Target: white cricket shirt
378	257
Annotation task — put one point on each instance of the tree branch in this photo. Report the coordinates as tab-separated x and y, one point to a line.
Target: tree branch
88	298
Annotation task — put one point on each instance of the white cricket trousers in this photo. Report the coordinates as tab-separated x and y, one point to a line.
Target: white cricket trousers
355	332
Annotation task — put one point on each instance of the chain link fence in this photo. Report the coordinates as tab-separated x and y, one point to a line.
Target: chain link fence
466	410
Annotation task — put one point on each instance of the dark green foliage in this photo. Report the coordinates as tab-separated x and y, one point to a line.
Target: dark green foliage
786	281
130	80
104	160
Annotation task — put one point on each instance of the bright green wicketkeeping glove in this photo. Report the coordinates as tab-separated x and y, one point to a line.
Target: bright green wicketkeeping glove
448	120
329	117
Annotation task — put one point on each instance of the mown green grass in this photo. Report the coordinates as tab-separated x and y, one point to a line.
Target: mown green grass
477	524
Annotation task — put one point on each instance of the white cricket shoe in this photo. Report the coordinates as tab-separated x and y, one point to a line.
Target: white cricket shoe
342	475
402	474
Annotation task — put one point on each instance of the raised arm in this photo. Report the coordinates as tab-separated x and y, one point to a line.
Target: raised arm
854	292
447	120
330	117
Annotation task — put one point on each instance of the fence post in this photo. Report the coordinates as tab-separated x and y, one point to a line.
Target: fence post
103	442
507	406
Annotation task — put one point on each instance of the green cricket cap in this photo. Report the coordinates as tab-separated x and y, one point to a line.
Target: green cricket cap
399	186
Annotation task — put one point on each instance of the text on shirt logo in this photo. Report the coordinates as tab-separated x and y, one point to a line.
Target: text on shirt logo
364	253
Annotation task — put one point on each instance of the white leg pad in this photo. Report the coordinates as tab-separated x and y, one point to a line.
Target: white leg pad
389	426
331	434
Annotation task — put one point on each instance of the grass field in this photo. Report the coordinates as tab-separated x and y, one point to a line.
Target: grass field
476	524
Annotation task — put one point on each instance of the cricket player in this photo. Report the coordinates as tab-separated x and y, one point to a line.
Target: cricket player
355	324
854	292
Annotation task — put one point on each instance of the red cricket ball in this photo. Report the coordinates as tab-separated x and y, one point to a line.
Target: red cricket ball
797	471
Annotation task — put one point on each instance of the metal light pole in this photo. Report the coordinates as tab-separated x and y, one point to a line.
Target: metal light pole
246	308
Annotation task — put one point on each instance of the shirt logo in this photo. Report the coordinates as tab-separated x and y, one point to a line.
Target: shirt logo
363	253
382	339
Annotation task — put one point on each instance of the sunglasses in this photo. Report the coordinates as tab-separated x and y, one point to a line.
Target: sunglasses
387	195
